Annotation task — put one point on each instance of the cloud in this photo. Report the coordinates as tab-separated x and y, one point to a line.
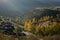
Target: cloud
4	0
8	4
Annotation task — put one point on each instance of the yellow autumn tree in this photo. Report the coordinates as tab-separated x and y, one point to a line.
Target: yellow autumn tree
33	20
37	29
18	19
45	18
28	25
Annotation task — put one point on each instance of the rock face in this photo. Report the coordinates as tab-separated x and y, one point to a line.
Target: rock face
6	26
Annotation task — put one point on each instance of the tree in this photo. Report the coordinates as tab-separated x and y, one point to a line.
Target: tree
28	25
18	19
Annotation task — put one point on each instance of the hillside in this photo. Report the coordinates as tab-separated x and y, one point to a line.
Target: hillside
40	12
41	23
43	19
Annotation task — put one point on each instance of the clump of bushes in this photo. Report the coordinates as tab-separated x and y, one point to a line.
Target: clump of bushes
49	29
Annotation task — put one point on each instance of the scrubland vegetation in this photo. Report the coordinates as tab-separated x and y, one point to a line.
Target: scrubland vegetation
43	28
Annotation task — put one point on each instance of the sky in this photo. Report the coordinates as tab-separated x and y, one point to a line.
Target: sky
26	5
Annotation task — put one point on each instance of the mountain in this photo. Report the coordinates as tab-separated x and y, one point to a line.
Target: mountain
41	12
